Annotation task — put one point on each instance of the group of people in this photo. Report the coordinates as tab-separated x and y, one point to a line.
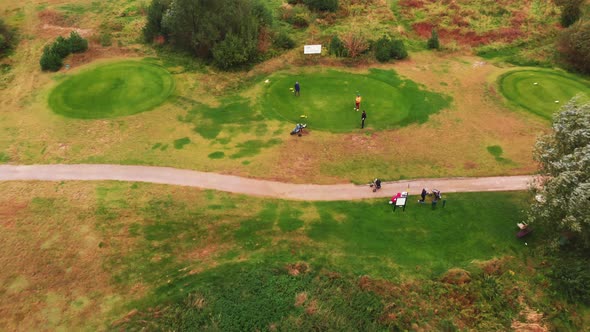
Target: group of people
357	102
437	195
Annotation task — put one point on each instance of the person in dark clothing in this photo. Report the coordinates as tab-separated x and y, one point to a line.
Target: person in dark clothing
297	89
423	195
363	118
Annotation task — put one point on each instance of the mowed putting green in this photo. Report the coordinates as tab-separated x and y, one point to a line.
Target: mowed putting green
327	100
542	92
112	90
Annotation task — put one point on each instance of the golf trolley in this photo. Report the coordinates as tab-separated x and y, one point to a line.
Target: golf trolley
375	184
298	129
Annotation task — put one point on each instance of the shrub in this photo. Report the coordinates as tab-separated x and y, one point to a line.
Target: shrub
337	47
61	47
77	43
105	39
571	277
355	44
574	46
433	43
570	12
50	60
282	40
398	50
232	51
383	49
322	5
300	20
6	37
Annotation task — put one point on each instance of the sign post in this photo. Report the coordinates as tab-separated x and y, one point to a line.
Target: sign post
312	49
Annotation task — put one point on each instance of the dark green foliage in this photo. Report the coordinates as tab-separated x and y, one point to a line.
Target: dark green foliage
322	5
61	47
398	49
233	51
77	43
155	13
284	41
387	48
50	60
570	12
225	30
181	142
433	43
574	46
571	278
337	47
7	37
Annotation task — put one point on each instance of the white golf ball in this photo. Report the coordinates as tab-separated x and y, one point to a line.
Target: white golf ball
557	101
535	83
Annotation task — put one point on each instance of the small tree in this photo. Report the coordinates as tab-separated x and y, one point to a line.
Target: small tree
153	26
77	43
337	47
574	46
433	43
50	60
233	51
562	191
355	44
6	37
282	40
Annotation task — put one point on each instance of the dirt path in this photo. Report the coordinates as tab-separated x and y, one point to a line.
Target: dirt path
235	184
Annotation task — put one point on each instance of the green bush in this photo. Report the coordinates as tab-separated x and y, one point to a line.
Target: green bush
77	43
50	60
571	278
61	47
433	43
282	40
398	50
105	39
322	5
337	47
233	51
300	20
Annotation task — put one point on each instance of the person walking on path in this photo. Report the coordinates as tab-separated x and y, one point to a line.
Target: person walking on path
297	89
363	118
357	102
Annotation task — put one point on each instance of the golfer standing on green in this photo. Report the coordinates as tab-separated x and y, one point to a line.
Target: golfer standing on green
297	89
363	118
357	102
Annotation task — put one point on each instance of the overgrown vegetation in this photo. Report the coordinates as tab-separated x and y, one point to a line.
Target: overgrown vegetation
7	38
574	46
433	42
226	31
571	11
53	55
387	48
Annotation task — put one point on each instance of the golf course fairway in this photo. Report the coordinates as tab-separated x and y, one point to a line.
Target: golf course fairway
327	100
112	90
542	92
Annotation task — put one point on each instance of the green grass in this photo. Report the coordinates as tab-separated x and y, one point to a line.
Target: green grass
181	142
250	287
327	99
112	90
552	89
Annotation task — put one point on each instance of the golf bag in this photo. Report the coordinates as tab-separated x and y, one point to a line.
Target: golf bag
298	129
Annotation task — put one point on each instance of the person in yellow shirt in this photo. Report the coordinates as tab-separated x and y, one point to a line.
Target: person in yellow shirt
357	102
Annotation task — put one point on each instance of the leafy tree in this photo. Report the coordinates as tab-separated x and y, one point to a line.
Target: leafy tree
199	25
562	192
337	47
323	5
77	43
574	46
6	37
50	60
355	44
433	42
387	48
155	13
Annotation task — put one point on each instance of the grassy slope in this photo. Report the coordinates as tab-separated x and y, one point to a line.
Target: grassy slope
122	246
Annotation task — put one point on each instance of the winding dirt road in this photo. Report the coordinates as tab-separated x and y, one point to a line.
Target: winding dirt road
264	188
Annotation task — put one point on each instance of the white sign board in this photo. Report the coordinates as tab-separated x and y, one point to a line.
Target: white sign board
312	49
